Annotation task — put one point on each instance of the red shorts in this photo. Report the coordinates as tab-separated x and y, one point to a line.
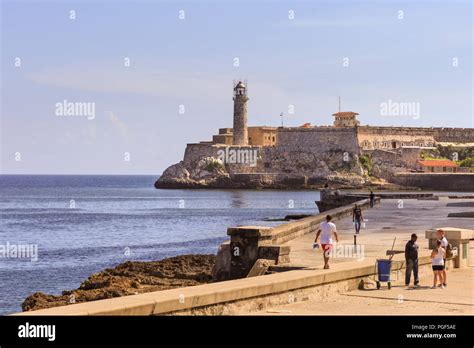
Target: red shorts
326	247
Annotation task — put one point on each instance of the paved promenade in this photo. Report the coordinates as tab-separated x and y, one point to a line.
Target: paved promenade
456	299
391	218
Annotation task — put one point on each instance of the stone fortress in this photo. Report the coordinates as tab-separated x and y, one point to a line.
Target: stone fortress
345	154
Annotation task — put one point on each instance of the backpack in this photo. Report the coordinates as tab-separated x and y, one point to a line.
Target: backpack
449	251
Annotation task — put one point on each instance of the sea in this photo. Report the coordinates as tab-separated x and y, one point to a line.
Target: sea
70	226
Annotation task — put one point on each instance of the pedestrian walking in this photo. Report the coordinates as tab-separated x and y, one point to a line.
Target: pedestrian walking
326	230
372	199
357	218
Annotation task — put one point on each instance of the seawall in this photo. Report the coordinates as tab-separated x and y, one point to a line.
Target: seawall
437	181
235	296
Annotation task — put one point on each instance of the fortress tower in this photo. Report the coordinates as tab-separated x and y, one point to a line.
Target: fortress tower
345	119
240	114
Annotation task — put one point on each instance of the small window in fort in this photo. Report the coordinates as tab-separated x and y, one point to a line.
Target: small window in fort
273	139
394	144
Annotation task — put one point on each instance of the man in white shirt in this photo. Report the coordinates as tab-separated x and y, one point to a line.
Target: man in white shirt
444	245
326	230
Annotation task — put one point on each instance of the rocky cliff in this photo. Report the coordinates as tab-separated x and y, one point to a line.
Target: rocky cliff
274	167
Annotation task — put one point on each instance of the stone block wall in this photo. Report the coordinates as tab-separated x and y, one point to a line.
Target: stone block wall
320	139
385	137
454	135
437	181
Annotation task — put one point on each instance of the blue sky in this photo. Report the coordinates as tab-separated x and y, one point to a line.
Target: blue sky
190	62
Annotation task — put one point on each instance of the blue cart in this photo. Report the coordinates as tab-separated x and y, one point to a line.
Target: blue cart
383	269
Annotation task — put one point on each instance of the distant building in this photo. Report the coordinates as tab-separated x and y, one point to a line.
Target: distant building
263	136
408	142
345	119
437	166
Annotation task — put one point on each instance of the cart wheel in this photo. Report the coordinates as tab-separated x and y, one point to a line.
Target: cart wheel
378	285
389	285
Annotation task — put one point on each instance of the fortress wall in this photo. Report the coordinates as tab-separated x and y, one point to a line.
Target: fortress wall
319	139
385	136
194	152
454	135
412	135
247	163
315	152
437	181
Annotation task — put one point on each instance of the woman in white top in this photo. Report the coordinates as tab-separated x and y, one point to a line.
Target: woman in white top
437	262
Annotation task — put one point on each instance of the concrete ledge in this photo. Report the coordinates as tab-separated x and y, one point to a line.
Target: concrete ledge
294	229
450	233
195	297
249	243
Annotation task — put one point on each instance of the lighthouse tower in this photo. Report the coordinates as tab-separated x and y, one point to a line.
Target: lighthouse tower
240	114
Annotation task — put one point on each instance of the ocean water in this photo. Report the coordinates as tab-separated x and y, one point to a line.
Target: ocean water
83	224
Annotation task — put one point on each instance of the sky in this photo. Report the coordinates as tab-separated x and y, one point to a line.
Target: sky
158	74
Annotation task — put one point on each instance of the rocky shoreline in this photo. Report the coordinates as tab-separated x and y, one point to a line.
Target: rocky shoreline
208	173
131	278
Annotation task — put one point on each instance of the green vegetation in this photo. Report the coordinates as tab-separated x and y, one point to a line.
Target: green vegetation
215	165
366	163
452	152
467	162
430	154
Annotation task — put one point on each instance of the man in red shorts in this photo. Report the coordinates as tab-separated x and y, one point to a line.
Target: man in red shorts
326	229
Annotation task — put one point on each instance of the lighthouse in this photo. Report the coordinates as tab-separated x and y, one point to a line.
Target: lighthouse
240	132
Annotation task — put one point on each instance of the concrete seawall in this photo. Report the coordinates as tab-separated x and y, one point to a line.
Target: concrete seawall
437	181
235	296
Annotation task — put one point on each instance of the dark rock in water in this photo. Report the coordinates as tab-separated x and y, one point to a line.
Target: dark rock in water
296	216
465	214
289	217
131	278
460	204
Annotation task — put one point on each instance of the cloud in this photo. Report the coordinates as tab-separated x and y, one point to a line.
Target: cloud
335	23
183	86
166	85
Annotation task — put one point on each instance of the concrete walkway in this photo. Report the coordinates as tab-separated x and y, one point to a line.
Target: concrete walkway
456	299
391	218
